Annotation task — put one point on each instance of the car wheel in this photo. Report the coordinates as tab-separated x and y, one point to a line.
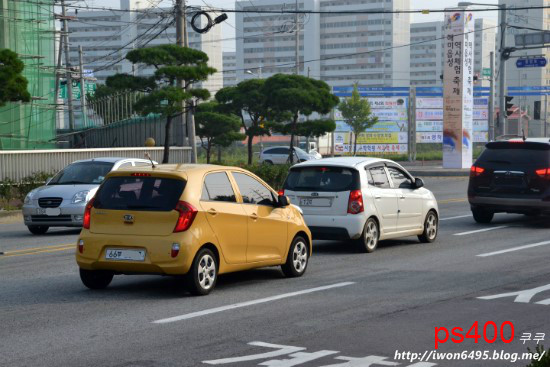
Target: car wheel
369	239
203	274
38	229
96	279
482	216
431	226
297	259
268	162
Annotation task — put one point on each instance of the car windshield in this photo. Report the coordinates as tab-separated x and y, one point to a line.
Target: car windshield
136	193
321	178
300	151
82	173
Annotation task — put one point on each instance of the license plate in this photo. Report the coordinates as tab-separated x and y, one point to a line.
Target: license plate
118	254
51	212
322	202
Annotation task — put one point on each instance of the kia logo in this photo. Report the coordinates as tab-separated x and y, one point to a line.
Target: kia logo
129	218
315	194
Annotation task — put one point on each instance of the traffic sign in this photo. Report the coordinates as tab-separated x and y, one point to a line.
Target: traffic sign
486	72
534	62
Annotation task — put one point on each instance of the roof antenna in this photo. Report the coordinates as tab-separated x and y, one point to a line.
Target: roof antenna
148	156
523	134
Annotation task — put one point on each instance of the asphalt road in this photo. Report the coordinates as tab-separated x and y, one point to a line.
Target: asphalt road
349	309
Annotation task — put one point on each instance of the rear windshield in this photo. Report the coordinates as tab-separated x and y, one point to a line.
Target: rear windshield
512	153
139	193
82	173
322	178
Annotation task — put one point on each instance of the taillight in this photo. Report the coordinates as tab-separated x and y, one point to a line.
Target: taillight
87	214
187	213
355	202
281	192
175	249
543	173
476	171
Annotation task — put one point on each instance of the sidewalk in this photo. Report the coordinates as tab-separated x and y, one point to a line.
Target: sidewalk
10	216
433	169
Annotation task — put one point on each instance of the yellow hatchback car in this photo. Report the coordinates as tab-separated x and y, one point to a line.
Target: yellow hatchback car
193	220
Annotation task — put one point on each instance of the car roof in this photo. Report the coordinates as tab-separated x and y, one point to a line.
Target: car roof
111	159
178	168
343	161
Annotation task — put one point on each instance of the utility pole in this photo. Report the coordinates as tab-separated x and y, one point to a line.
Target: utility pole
502	70
297	71
492	97
68	77
182	39
82	89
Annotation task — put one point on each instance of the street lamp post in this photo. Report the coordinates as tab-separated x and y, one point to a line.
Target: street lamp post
502	66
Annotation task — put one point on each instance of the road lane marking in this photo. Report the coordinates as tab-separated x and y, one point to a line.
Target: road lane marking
11	254
457	217
512	249
249	303
523	296
36	248
479	230
456	200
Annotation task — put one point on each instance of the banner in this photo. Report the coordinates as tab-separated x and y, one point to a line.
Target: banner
434	137
383	115
381	126
426	126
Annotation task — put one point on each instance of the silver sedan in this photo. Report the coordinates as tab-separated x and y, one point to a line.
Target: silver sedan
61	202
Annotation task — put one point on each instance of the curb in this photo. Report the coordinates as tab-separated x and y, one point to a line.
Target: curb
439	173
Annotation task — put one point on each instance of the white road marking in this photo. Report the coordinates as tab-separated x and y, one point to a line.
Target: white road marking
249	303
457	217
480	230
512	249
523	296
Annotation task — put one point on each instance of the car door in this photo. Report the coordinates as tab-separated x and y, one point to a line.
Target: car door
409	200
226	216
267	224
384	197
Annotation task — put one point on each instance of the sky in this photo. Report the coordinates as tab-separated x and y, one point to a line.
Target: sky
228	27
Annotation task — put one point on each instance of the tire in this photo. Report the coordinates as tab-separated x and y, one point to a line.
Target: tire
38	229
482	216
203	274
268	162
431	227
297	259
96	279
369	239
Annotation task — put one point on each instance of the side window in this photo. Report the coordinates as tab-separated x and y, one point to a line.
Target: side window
377	177
127	164
218	188
252	191
399	179
141	164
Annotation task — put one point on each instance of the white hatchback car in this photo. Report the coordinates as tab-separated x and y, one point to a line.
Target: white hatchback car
279	155
362	199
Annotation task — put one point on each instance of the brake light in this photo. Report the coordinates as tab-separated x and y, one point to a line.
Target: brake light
281	192
476	171
543	173
187	213
140	174
516	141
355	202
87	214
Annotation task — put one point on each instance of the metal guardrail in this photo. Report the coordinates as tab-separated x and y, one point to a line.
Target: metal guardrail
16	164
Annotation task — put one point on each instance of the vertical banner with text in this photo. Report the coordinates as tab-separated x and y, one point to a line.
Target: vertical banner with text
458	89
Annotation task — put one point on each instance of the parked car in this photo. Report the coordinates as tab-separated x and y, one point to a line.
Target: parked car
279	155
61	201
511	177
193	220
362	199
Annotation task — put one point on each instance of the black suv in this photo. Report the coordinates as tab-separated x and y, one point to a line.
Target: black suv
511	177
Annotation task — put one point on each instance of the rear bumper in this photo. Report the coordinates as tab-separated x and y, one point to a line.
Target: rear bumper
327	227
510	205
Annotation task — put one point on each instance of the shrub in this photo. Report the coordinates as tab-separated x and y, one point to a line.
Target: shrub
273	175
545	360
7	191
31	182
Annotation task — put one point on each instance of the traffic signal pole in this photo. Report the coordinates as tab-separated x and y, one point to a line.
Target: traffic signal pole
502	70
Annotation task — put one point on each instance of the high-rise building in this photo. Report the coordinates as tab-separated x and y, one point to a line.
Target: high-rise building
229	66
106	37
427	51
340	49
28	29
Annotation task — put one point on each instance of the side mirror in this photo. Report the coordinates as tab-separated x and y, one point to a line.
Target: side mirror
282	201
418	183
48	180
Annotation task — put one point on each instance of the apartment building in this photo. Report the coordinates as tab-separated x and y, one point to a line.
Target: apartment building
229	66
106	37
340	49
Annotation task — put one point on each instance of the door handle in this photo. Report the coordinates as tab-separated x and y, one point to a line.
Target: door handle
212	211
377	197
402	197
254	216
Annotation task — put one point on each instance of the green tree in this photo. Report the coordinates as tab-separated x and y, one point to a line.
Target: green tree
13	85
162	95
291	96
246	98
215	128
357	115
